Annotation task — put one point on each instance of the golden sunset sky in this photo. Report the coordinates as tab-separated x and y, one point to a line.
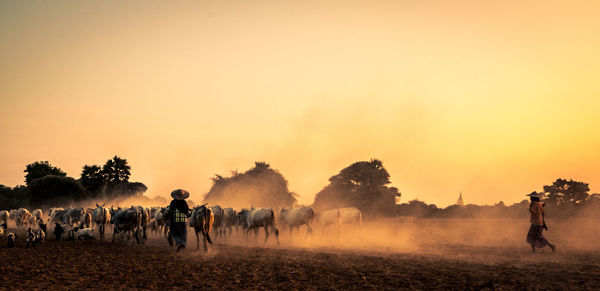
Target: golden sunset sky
493	99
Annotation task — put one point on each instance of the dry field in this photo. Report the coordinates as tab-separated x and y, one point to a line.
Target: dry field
407	254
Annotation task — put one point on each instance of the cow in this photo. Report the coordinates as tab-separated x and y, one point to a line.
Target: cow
4	216
38	214
158	220
202	220
84	234
40	234
218	213
21	217
73	216
31	238
262	217
242	218
32	220
3	228
229	220
295	217
127	220
57	214
329	218
101	217
86	220
350	216
144	220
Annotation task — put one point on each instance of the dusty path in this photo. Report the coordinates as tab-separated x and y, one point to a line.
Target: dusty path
96	264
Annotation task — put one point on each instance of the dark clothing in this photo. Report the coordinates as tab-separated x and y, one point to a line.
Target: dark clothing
180	205
535	236
179	211
179	232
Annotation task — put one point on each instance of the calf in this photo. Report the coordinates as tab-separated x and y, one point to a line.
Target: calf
31	238
84	234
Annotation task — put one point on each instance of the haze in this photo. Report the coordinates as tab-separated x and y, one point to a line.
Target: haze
491	99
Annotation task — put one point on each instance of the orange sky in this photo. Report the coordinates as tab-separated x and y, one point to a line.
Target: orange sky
491	99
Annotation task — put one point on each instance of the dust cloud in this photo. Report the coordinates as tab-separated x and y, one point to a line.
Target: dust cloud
480	240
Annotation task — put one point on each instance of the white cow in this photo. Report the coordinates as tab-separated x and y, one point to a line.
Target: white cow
101	217
329	218
38	214
295	217
262	217
4	216
21	217
350	215
84	234
229	220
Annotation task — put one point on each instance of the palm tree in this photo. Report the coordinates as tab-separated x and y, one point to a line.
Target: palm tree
116	170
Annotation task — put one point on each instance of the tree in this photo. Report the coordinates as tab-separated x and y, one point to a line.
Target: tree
136	188
53	190
116	170
361	185
567	192
259	186
40	169
93	179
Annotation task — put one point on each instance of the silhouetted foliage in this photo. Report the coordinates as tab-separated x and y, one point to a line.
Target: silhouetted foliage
12	198
49	186
37	170
116	171
93	179
56	190
563	192
361	185
259	186
111	180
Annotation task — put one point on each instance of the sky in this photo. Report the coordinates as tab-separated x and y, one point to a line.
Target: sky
493	99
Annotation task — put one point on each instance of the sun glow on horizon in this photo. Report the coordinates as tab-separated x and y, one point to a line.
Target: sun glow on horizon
493	100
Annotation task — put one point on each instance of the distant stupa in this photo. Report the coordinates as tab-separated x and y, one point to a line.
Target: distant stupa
460	201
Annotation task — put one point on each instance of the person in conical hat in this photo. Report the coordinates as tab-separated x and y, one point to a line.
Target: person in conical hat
536	209
178	213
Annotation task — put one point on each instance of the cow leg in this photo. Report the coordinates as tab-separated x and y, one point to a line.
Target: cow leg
204	236
114	231
198	239
266	232
276	232
291	231
308	229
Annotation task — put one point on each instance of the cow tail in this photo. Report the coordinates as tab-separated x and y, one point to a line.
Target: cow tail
208	218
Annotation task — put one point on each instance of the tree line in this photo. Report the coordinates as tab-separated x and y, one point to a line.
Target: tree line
47	185
564	199
363	184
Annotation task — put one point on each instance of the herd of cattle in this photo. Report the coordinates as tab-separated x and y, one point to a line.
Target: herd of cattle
88	223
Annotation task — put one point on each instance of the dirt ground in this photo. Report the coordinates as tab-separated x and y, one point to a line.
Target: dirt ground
290	266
